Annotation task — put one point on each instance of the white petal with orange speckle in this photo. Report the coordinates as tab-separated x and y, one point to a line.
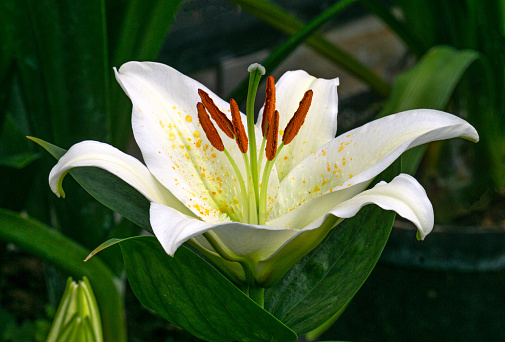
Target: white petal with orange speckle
107	157
174	147
403	195
357	156
243	240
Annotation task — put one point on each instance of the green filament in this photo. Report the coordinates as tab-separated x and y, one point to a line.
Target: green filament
264	188
245	201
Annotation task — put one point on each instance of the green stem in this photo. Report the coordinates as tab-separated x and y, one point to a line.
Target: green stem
257	294
256	71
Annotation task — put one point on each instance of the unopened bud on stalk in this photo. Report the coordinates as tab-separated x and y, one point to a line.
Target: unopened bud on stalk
78	316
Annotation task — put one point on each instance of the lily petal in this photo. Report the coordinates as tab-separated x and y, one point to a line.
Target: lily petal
242	240
173	144
109	158
310	211
403	194
320	124
359	155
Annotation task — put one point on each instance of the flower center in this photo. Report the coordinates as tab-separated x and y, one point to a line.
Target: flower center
254	199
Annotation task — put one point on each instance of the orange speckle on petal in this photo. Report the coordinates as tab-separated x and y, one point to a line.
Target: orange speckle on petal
189	118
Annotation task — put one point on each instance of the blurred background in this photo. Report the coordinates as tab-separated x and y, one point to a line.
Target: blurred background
57	84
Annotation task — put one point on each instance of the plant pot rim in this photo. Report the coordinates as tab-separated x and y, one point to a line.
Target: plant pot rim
447	248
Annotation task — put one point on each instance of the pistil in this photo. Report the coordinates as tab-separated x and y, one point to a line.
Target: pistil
256	71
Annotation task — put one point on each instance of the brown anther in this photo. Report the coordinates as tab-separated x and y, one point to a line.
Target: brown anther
208	128
238	127
269	108
296	122
273	130
219	117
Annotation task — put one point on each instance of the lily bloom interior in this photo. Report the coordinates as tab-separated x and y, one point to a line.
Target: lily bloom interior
256	197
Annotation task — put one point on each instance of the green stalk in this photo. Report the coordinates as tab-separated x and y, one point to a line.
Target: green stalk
257	294
226	254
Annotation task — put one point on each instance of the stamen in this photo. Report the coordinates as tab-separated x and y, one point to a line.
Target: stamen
296	122
273	130
269	108
238	127
208	128
219	117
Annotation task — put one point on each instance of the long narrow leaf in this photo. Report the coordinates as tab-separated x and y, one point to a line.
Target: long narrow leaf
280	19
282	52
429	84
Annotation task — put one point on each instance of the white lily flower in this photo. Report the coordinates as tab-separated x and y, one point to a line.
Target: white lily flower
257	216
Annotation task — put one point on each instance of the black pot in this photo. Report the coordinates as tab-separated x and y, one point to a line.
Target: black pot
450	287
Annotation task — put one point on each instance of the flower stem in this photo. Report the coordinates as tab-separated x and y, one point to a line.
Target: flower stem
257	294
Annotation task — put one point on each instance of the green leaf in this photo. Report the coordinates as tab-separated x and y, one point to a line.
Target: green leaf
15	150
106	244
108	189
190	293
39	240
19	161
61	89
326	279
429	84
63	66
283	21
